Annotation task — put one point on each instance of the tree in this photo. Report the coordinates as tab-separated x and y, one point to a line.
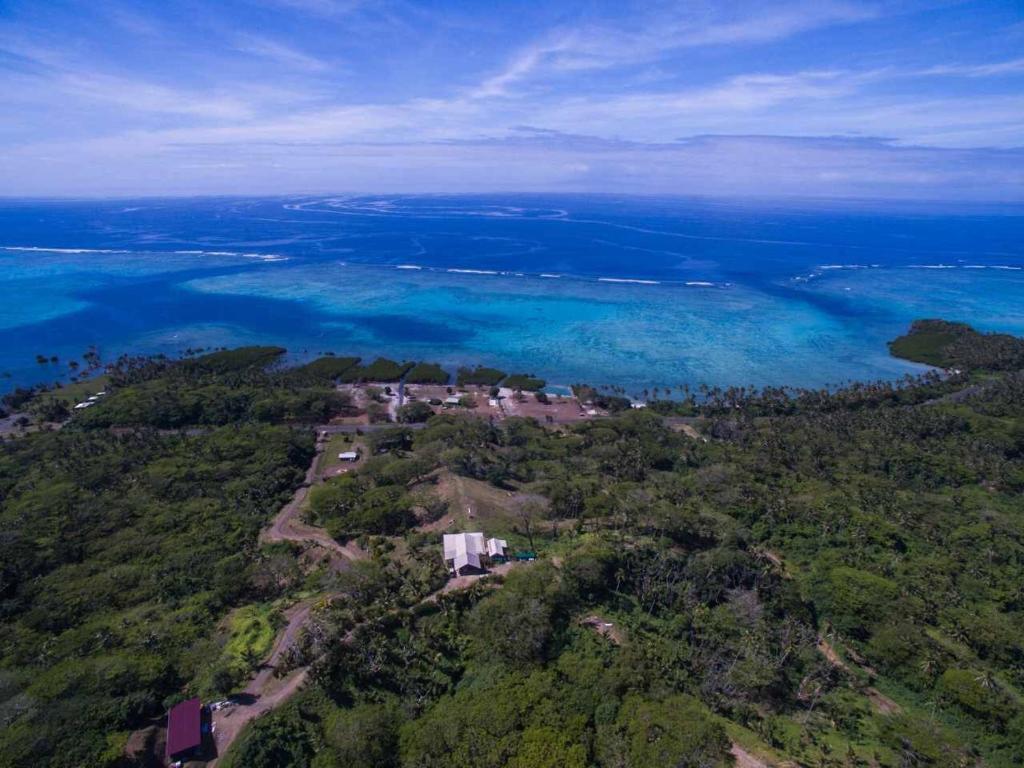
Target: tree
676	732
414	412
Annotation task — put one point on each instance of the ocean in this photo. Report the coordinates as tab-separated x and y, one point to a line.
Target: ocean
632	292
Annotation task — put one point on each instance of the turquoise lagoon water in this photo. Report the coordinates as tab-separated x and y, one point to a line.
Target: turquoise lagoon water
637	293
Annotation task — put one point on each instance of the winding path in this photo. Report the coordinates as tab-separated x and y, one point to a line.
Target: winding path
266	691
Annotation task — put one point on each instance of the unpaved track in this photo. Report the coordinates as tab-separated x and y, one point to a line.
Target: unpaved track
264	691
287	526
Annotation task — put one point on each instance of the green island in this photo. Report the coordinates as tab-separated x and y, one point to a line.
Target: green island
755	578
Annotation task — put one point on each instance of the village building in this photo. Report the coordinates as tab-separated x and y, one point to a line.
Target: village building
467	554
348	456
184	730
496	550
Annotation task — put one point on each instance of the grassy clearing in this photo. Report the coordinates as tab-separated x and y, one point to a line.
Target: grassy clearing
336	444
76	391
251	632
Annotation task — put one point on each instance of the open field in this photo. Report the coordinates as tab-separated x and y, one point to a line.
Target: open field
78	391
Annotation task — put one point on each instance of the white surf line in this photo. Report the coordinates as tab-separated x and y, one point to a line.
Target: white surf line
762	241
39	249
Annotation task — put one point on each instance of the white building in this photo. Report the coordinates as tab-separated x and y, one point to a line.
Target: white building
496	548
470	553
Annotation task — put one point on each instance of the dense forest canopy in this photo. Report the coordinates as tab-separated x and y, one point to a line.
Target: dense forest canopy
824	578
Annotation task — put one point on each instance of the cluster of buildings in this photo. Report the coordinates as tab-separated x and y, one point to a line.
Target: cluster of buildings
90	401
470	553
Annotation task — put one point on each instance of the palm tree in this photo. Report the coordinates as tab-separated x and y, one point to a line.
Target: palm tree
987	680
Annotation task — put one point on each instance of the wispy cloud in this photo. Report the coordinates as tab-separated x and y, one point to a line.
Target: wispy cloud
320	7
274	50
596	47
975	70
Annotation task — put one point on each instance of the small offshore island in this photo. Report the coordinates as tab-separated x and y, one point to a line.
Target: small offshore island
223	561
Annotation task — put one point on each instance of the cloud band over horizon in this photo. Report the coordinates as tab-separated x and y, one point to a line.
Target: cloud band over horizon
894	100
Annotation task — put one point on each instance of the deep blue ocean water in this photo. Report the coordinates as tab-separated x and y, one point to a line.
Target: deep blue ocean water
630	291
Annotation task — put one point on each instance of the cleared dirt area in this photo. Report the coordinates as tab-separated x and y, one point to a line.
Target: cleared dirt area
560	409
604	628
479	395
746	760
881	703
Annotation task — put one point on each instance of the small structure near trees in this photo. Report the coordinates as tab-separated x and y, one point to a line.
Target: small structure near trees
468	554
184	730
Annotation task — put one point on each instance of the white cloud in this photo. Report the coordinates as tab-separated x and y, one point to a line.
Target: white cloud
264	47
141	96
974	70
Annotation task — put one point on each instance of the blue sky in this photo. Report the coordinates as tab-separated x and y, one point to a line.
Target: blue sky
844	98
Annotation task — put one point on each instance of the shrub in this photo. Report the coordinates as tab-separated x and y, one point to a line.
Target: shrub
480	376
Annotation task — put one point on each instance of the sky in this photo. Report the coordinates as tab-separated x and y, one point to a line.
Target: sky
885	99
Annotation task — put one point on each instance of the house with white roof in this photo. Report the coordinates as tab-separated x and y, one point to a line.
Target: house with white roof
470	553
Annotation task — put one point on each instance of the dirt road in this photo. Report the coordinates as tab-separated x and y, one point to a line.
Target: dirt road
264	692
287	526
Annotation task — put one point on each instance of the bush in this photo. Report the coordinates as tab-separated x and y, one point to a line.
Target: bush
380	369
414	413
479	376
677	731
855	600
427	373
524	382
328	368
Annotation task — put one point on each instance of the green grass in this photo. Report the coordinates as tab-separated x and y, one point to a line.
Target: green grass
335	445
76	391
251	629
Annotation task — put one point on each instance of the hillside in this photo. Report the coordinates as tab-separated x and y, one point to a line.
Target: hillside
779	578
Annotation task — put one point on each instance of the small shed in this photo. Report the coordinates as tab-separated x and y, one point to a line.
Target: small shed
349	456
452	401
184	730
496	549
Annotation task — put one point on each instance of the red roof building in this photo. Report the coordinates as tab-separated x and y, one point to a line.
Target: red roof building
184	729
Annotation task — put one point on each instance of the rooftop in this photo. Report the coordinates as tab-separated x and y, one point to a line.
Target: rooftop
183	727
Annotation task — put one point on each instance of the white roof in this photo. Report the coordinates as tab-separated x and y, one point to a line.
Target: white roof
466	558
84	405
496	547
453	400
456	544
348	455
